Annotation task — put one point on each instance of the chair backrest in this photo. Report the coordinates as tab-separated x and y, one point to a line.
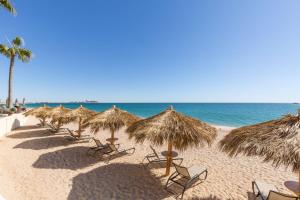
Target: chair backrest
51	125
154	151
182	170
97	142
279	196
113	147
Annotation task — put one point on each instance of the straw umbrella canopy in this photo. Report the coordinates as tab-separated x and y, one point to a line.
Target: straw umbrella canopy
40	112
58	115
277	141
112	119
175	129
80	114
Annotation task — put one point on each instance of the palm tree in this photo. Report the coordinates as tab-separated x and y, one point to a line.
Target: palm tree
14	50
7	5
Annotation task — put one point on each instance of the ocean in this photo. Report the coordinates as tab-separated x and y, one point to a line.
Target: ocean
225	114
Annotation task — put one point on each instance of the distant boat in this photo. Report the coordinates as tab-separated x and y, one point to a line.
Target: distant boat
295	103
91	101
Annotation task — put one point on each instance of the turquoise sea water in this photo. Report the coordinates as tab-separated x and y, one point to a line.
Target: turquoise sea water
227	114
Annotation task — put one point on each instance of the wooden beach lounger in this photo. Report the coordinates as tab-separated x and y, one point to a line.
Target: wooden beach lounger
265	191
155	158
98	146
185	177
114	150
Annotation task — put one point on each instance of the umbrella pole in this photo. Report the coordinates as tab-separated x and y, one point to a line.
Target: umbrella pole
79	127
112	137
44	120
169	158
58	124
299	181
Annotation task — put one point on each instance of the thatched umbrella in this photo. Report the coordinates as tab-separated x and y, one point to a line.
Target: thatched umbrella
175	129
40	113
58	115
80	115
277	141
112	119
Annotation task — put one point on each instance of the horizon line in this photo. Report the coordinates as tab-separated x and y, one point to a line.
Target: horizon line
151	102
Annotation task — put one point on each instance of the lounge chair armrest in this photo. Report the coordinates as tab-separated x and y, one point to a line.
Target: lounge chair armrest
255	188
91	140
180	160
117	146
131	150
151	155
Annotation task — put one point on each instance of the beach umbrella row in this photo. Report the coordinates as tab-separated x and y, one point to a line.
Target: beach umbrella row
168	127
277	141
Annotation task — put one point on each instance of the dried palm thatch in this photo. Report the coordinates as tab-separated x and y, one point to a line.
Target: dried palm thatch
173	128
80	115
278	141
40	113
58	116
112	119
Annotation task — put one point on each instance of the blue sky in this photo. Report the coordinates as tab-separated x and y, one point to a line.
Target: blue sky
156	51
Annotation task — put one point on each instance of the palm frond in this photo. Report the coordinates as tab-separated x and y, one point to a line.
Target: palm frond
24	54
8	6
18	41
4	50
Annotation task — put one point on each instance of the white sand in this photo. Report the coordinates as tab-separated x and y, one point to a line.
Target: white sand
37	165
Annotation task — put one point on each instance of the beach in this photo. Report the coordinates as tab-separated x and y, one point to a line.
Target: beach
36	164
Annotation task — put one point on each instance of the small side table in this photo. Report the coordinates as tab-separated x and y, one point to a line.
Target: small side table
293	186
165	154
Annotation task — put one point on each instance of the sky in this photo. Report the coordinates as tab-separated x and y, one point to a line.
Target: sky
155	51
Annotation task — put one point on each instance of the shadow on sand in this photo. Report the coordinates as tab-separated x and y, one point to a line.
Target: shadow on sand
44	143
117	181
211	197
70	158
29	127
30	133
251	196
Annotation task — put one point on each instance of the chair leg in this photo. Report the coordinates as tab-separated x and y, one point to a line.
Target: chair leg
184	188
253	189
144	159
174	175
130	151
206	173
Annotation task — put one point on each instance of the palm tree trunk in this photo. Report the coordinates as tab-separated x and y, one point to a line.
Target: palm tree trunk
10	81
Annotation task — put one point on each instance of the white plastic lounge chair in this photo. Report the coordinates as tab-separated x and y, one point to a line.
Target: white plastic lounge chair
155	158
98	146
114	150
265	191
185	177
